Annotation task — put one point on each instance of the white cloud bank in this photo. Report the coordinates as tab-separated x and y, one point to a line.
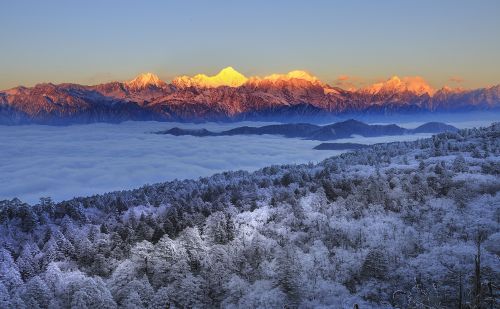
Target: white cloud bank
63	162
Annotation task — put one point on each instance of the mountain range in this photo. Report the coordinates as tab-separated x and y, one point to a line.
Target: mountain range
344	129
229	95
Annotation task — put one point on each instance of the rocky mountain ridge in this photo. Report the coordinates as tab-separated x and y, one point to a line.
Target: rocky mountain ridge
230	95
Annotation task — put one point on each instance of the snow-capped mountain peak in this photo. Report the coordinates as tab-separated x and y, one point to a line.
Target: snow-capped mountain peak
296	74
413	84
229	95
144	80
226	77
296	79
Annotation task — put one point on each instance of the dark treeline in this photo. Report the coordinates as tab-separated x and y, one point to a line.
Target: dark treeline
406	224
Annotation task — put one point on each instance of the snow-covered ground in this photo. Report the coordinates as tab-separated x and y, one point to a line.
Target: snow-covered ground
63	162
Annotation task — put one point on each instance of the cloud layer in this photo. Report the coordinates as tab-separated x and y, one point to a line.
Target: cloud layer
63	162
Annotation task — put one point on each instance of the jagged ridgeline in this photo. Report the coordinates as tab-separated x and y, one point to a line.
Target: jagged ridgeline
406	224
230	96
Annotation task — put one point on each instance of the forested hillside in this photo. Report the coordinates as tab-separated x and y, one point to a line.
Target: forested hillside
406	224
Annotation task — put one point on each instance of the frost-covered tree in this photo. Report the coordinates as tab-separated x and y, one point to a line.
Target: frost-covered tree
404	224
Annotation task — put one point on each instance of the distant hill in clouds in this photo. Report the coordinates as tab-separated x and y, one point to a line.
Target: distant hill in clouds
231	96
344	129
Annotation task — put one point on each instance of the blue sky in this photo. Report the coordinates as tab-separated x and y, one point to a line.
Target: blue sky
95	41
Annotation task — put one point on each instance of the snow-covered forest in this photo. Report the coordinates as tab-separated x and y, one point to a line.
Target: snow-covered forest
404	224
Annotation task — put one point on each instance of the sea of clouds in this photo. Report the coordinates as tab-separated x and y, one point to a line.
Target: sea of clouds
64	162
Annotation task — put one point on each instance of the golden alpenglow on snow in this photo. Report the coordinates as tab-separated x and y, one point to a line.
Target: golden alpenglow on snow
226	77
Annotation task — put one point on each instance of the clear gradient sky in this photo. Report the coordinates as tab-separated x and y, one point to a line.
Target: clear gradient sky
448	42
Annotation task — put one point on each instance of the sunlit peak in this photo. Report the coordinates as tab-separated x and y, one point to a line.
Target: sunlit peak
228	70
297	78
226	77
144	80
297	74
415	84
395	79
